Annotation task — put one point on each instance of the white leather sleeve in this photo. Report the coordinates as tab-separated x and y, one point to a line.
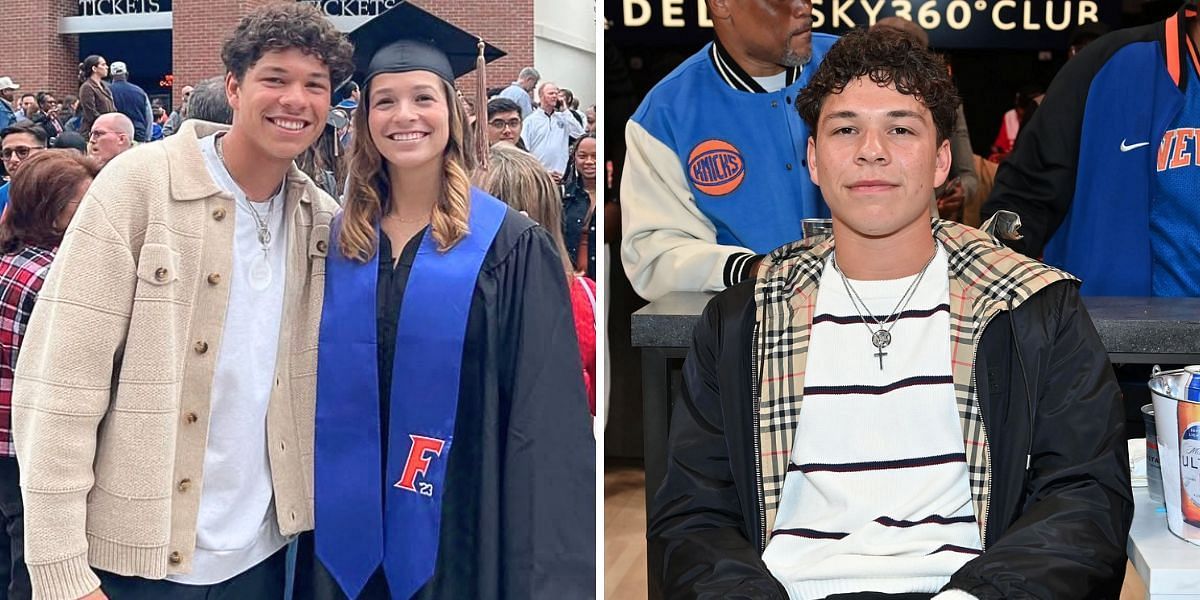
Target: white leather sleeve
668	244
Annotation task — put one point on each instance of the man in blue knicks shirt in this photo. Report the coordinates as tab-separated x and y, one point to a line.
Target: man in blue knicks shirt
714	174
1106	180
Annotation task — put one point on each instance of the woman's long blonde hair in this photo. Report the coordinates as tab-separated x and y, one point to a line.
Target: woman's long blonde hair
517	178
368	194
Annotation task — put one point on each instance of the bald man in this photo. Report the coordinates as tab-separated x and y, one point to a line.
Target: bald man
112	134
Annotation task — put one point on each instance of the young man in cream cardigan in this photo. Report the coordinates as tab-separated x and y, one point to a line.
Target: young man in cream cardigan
163	415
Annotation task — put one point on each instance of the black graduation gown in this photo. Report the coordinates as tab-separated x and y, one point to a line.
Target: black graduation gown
518	519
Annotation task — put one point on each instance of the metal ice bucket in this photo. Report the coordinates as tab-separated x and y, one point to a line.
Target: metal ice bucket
1178	450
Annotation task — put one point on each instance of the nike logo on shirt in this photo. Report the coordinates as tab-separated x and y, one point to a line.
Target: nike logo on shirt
1127	148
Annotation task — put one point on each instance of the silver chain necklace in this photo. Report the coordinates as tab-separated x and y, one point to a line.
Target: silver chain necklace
881	338
260	222
260	268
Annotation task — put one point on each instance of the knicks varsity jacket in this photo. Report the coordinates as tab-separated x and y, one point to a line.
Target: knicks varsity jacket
1082	175
714	174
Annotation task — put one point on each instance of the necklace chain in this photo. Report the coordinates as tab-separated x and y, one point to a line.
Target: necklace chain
260	222
397	217
881	338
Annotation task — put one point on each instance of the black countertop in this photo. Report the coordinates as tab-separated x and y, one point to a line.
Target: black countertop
1127	326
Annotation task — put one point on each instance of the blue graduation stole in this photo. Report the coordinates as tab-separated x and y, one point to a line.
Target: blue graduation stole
357	527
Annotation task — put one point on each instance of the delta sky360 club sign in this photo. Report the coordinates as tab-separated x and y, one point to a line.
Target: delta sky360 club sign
1031	24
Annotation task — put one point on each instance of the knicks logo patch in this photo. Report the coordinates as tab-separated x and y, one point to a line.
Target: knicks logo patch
419	456
715	167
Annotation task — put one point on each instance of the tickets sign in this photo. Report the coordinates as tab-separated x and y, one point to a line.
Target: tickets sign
96	8
353	8
1029	24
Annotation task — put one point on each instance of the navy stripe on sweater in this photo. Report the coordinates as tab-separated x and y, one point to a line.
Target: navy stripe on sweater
811	534
959	549
937	519
878	390
879	465
907	314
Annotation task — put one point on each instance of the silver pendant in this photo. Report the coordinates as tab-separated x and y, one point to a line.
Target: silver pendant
264	236
260	273
880	339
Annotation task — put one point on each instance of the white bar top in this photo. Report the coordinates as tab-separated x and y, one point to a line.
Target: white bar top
1169	566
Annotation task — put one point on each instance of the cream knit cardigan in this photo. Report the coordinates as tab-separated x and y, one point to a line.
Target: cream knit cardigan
112	388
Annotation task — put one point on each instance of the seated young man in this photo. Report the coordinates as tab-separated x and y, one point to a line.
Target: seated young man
961	433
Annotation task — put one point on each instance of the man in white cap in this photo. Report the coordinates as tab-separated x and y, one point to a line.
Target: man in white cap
7	113
131	101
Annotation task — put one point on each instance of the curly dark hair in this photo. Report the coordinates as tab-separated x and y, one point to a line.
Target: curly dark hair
284	25
887	57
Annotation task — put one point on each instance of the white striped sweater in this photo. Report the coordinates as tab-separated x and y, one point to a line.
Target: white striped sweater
876	496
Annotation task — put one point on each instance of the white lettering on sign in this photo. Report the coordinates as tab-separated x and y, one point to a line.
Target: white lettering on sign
1087	12
1005	15
872	10
1003	25
1028	24
840	17
94	8
929	17
673	13
958	14
705	21
352	8
643	13
1066	16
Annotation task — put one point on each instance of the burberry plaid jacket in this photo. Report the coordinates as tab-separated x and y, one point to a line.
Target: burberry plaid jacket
1039	408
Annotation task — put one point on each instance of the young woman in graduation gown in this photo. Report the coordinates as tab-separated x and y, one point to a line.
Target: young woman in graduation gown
454	457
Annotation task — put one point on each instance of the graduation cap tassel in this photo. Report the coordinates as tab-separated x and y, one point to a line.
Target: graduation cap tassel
481	134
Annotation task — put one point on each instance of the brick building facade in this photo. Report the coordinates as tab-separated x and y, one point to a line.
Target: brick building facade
35	55
38	56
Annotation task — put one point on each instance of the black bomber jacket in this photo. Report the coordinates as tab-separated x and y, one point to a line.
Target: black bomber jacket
1057	528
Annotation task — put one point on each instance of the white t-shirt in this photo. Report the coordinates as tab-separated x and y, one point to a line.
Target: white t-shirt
548	137
876	497
237	528
773	83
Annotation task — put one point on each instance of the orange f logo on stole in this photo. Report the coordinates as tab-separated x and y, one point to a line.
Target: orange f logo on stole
418	463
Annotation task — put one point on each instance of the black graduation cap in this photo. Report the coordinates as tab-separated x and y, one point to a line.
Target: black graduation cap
388	32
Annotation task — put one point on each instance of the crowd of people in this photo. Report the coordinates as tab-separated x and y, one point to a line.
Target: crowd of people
292	303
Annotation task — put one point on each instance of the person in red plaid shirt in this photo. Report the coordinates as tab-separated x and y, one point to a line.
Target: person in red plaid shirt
42	201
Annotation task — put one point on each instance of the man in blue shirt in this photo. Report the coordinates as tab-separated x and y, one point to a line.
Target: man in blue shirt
520	89
131	101
1104	180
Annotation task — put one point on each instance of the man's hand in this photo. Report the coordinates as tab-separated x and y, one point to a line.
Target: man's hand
96	595
950	203
757	268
